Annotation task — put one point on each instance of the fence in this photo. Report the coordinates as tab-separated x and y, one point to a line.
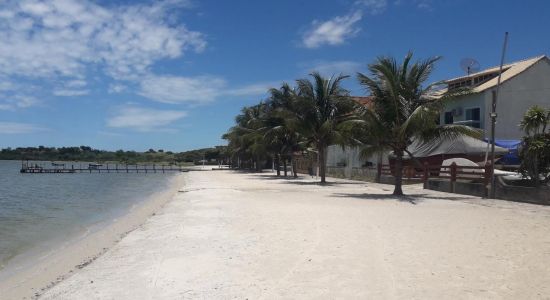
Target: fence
423	173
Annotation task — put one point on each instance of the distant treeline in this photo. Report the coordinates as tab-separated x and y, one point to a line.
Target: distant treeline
85	153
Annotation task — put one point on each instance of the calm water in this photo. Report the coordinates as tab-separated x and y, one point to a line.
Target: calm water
36	209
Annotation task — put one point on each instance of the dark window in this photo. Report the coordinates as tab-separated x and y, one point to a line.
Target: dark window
449	117
473	115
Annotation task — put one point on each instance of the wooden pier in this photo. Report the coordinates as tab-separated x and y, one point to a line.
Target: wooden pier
68	168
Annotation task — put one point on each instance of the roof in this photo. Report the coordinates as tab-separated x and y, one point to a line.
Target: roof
365	101
509	71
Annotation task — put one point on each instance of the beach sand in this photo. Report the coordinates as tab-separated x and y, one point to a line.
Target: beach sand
235	235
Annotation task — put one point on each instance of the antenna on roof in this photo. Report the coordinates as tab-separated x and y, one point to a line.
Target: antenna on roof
469	65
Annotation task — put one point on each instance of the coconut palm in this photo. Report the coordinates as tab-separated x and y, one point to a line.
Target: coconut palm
281	128
535	120
535	150
405	109
245	141
319	107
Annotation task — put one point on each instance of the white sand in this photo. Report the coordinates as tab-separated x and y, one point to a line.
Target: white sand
232	235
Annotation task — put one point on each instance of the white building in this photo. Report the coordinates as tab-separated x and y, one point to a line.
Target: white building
524	84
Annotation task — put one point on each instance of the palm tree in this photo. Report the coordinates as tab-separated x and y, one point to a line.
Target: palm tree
245	140
404	109
320	106
535	120
281	127
535	150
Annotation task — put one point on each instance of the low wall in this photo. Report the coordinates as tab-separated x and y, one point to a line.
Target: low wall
461	187
504	191
365	174
540	195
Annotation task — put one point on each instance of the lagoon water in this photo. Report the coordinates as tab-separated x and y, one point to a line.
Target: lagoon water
39	211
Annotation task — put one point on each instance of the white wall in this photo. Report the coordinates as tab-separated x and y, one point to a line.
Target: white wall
531	87
350	156
517	95
470	101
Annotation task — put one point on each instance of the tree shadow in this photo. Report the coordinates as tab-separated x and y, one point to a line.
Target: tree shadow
412	198
302	180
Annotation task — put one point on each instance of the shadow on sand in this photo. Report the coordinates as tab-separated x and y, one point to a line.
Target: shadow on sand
301	180
413	198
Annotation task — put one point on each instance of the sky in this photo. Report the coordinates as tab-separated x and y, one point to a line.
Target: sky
173	74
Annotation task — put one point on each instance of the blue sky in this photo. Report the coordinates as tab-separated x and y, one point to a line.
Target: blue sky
173	74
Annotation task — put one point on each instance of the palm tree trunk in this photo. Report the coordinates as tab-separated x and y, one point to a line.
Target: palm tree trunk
378	168
258	165
284	166
278	164
398	173
322	163
536	168
294	166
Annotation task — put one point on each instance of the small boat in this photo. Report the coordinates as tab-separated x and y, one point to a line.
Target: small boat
94	166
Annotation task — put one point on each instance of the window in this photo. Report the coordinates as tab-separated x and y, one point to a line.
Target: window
460	84
449	117
473	116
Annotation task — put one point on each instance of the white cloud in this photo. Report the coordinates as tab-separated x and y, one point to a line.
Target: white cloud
77	83
332	32
54	38
18	128
195	90
144	119
253	89
177	89
374	6
424	4
329	68
15	101
6	85
71	88
70	92
116	88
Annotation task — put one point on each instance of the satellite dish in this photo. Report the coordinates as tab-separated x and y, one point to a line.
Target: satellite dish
469	65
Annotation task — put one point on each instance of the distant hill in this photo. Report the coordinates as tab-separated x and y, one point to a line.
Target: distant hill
85	153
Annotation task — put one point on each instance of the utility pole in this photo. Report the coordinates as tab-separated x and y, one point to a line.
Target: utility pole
494	119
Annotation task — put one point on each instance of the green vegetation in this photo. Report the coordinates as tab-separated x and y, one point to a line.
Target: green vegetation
85	153
404	109
535	150
318	113
292	121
